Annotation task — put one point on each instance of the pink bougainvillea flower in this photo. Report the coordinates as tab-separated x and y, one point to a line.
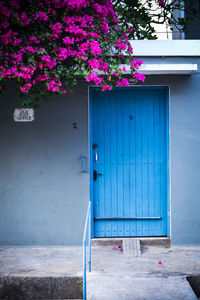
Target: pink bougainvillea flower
94	63
33	40
56	28
5	24
77	37
94	35
41	16
103	67
115	74
93	77
139	77
51	11
123	82
95	48
98	8
5	11
68	41
121	45
14	4
24	19
106	87
160	262
54	86
130	49
23	89
121	250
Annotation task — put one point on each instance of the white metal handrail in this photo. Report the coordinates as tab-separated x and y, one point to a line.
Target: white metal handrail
87	228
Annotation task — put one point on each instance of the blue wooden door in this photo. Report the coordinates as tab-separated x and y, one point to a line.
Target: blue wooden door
129	162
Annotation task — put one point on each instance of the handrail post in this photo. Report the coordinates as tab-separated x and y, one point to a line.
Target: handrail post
84	270
89	237
87	221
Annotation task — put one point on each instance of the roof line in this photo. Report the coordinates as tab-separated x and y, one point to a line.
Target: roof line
166	47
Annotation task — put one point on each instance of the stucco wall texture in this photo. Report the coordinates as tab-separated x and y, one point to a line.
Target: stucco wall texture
43	193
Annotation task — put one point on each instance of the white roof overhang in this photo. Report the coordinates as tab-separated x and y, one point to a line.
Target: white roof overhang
158	69
179	69
165	48
176	48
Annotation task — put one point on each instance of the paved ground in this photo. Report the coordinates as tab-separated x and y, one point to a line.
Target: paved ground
40	273
43	262
114	276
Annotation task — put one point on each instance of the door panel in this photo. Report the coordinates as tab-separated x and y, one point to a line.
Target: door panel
129	150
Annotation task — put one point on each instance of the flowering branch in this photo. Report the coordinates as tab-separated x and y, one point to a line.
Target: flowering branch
46	44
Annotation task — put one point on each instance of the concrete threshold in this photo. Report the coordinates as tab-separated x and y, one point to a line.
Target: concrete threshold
144	241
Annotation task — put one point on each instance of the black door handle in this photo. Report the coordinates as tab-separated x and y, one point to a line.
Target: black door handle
95	175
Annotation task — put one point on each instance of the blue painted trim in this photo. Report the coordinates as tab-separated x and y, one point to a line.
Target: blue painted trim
87	220
168	163
91	160
90	242
166	88
121	219
84	271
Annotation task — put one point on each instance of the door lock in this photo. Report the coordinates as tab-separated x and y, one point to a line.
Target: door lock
95	175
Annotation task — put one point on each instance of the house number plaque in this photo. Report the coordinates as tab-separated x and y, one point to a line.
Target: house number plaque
23	115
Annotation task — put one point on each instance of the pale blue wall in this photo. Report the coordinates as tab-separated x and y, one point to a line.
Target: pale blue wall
185	155
43	194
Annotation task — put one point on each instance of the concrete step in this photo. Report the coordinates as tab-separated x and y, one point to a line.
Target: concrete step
131	247
144	241
157	241
65	287
107	242
112	286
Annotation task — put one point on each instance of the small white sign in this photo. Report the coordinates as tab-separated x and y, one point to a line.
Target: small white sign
23	115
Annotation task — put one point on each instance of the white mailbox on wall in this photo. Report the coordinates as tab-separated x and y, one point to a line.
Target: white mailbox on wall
23	115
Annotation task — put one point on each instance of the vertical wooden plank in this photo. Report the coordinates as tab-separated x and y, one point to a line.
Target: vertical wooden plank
139	208
120	162
107	170
151	164
132	162
126	160
91	133
168	167
149	117
157	163
113	120
146	97
163	176
160	164
101	163
95	166
94	140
